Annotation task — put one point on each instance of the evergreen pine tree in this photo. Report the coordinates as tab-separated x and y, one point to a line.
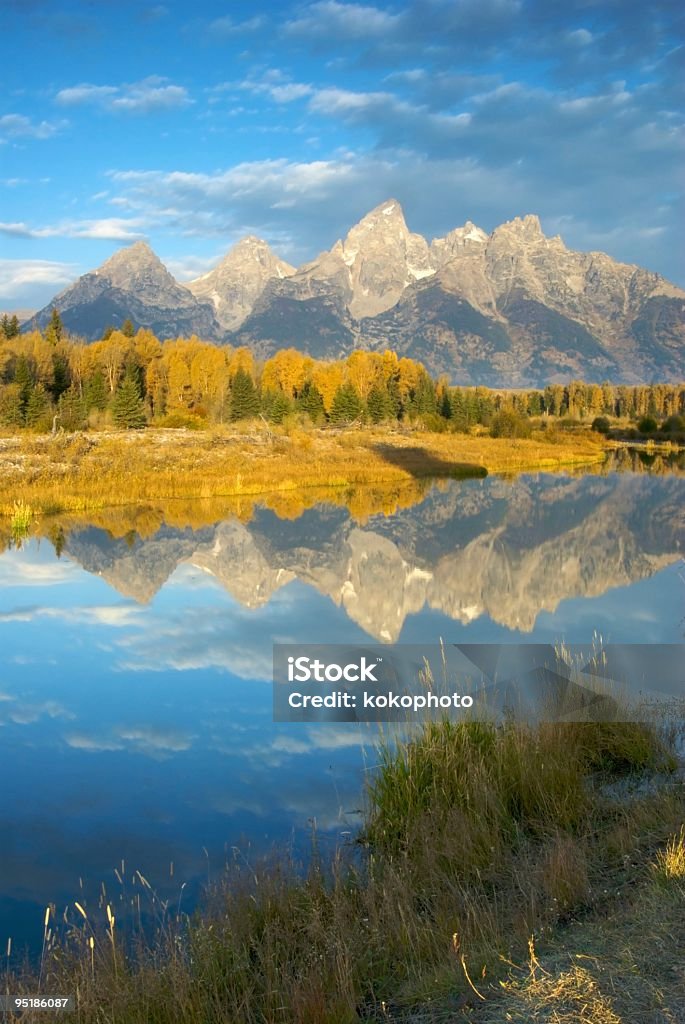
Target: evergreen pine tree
484	409
281	406
127	328
393	389
379	405
57	538
24	378
37	406
9	325
423	397
60	374
11	409
53	332
133	369
244	397
128	411
472	407
460	415
347	405
72	410
311	402
96	392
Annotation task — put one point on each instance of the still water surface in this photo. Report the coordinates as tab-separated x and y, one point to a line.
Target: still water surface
135	697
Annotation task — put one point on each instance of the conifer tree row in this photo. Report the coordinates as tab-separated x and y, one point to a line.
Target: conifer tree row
129	378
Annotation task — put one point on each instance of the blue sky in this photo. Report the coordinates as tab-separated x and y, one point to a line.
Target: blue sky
191	125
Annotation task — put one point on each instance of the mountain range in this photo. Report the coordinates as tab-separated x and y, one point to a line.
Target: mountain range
478	548
510	308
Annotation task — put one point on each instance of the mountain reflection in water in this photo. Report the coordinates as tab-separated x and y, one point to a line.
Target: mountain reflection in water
135	715
505	549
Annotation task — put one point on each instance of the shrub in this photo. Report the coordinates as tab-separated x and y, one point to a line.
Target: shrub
431	421
647	425
674	425
181	420
507	423
601	425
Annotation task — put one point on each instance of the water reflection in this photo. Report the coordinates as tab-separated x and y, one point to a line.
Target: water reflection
505	550
135	708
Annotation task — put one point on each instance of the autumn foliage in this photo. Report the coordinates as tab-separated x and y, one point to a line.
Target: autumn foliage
130	379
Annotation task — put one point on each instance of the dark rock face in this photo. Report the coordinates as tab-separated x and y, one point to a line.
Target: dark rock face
133	284
513	308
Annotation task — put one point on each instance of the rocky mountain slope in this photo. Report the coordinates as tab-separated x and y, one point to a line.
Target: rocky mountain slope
133	284
510	308
479	548
234	286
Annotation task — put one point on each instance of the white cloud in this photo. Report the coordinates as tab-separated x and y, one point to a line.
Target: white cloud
18	126
329	20
21	712
116	616
580	37
333	101
111	228
411	76
95	744
77	94
20	573
226	26
273	83
395	120
258	179
151	95
19	274
149	738
291	91
142	739
147	98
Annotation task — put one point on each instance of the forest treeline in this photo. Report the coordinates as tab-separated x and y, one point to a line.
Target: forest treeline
130	379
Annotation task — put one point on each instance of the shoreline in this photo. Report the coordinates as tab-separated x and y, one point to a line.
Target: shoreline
91	471
568	833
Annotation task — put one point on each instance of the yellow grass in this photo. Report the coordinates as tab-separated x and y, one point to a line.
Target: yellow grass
79	472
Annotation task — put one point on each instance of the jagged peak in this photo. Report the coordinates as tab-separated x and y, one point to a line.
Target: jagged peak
389	211
471	232
138	253
137	248
245	250
526	225
251	242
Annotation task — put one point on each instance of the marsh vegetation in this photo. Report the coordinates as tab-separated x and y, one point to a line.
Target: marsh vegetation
482	848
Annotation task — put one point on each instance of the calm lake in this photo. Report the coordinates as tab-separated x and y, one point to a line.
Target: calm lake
135	667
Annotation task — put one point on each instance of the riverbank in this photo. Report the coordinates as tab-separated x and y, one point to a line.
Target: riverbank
85	471
497	876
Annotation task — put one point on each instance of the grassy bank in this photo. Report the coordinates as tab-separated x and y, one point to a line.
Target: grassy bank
74	472
482	849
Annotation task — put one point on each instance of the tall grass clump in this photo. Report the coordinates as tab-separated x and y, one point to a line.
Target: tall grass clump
670	862
21	519
476	837
491	785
